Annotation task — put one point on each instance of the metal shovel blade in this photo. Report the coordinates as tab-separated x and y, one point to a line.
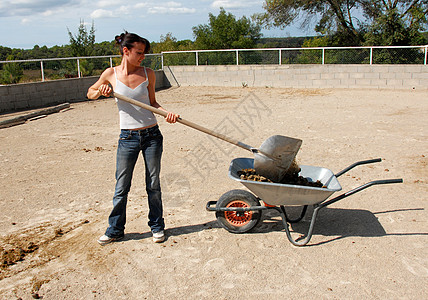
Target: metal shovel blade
275	156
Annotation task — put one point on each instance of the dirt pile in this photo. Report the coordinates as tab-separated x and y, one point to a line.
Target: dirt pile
291	177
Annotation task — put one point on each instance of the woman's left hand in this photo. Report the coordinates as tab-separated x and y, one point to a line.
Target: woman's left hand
171	117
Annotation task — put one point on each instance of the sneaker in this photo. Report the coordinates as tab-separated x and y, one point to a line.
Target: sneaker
106	239
158	237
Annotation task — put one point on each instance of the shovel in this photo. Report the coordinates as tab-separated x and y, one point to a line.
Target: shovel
271	160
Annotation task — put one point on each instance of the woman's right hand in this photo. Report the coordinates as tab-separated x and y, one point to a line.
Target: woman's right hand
105	90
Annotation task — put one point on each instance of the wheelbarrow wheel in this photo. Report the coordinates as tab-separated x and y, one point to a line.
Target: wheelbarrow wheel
234	221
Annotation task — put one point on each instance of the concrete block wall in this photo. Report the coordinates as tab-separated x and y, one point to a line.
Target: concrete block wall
39	94
302	76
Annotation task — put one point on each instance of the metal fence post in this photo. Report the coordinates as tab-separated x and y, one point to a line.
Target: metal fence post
41	69
323	55
78	68
197	58
111	62
280	57
371	55
237	57
426	55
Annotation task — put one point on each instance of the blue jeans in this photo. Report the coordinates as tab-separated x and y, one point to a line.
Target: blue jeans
131	143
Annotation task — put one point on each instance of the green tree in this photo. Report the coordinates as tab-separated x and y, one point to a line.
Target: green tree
12	72
391	29
226	32
82	43
169	43
4	52
338	18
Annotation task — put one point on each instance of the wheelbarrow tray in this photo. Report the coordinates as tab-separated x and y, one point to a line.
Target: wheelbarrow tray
279	194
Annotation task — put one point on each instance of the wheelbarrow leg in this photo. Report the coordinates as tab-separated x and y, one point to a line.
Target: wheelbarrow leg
302	214
301	241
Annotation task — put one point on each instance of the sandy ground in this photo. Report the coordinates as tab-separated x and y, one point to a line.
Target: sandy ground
57	181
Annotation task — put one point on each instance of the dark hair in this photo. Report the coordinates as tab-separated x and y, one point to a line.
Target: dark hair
128	39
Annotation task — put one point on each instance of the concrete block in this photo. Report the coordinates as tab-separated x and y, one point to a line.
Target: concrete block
362	82
22	97
397	69
318	83
221	68
4	91
341	75
423	84
284	77
365	69
356	75
42	87
394	82
16	89
288	84
421	75
7	99
413	68
300	77
342	69
403	75
372	75
380	69
327	76
21	105
387	75
7	106
411	83
245	68
378	82
347	82
313	76
332	83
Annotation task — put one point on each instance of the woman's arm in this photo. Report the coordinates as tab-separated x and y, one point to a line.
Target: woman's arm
101	87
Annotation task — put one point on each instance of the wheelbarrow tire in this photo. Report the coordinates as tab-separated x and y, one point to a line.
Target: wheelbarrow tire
238	222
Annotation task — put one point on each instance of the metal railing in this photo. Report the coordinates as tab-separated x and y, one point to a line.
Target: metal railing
32	70
60	68
318	55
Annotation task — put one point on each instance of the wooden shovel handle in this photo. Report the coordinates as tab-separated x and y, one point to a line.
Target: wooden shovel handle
186	122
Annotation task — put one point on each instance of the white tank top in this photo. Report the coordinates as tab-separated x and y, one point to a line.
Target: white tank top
132	116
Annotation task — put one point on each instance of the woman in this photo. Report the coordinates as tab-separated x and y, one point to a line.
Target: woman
139	133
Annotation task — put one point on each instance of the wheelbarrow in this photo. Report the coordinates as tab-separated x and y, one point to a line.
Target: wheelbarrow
239	211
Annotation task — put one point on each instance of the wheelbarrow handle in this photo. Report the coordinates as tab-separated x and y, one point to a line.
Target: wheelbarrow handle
363	162
360	188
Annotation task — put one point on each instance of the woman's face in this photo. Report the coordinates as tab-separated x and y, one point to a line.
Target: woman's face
136	54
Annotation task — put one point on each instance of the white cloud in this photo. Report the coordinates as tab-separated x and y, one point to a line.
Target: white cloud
173	4
234	4
124	10
107	3
102	13
48	13
142	5
32	7
171	8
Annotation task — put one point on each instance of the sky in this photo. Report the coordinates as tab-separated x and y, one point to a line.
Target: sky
26	23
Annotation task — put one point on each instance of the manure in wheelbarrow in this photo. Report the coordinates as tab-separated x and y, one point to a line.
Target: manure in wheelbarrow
291	177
